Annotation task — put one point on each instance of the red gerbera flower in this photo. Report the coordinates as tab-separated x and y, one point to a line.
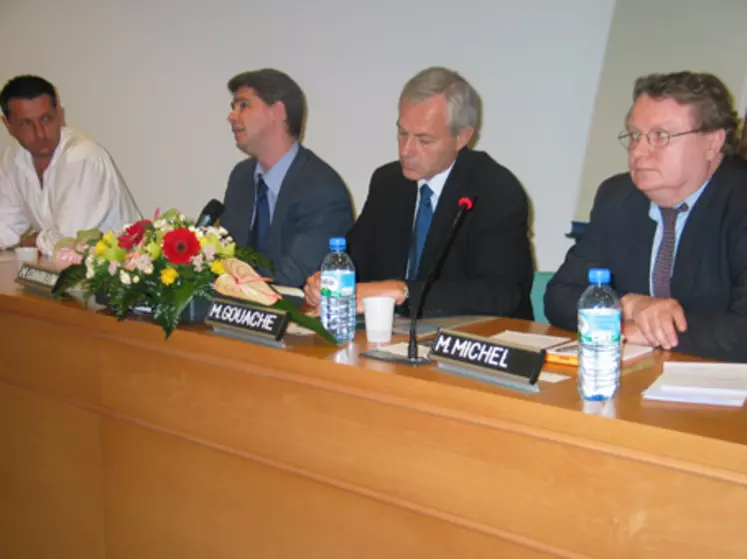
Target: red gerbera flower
133	234
180	245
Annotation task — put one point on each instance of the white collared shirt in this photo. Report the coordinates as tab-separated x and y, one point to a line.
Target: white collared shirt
436	184
82	190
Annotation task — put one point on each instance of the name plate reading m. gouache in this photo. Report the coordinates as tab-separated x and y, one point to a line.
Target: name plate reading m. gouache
487	360
245	318
38	278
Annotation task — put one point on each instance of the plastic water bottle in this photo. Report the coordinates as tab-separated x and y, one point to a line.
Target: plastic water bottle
338	292
599	337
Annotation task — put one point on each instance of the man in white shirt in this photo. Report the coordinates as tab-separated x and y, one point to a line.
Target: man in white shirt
54	181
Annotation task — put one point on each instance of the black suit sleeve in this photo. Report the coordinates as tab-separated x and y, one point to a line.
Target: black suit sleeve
723	334
498	261
571	279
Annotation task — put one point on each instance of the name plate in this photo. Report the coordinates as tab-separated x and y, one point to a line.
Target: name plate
245	318
485	359
39	278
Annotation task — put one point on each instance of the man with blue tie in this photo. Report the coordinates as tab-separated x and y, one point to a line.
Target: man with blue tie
673	229
412	204
284	201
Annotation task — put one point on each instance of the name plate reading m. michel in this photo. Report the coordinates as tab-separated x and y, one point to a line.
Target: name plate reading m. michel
485	359
244	320
38	278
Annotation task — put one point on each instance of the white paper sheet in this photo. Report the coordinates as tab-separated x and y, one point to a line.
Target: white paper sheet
526	339
720	384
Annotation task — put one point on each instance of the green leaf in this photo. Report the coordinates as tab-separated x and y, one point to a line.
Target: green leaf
253	258
166	317
183	296
310	322
70	277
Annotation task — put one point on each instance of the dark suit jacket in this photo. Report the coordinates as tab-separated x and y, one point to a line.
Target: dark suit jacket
312	206
710	271
488	269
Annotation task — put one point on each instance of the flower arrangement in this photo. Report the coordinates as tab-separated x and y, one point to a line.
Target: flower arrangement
164	264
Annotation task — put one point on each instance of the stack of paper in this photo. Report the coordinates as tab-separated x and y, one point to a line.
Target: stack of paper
719	384
528	340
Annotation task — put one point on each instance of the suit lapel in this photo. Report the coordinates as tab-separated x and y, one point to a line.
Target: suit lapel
693	236
285	198
446	210
641	229
242	226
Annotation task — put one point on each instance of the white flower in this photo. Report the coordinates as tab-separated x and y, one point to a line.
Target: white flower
89	272
135	279
124	277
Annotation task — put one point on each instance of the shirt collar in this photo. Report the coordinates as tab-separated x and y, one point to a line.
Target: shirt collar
437	182
654	212
274	177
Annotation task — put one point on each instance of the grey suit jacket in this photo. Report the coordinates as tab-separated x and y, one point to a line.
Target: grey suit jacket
313	205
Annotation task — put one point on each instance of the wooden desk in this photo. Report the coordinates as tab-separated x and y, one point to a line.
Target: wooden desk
115	443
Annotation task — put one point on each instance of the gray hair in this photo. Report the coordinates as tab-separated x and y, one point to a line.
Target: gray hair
461	98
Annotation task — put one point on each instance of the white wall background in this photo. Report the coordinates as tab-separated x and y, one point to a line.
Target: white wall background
147	79
649	36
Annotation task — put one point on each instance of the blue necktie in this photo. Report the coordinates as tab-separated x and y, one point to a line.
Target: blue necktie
420	233
261	218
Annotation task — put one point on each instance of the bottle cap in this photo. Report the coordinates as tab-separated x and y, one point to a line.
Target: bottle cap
599	275
337	244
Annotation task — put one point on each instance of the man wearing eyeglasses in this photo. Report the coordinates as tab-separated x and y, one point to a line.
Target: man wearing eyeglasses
673	230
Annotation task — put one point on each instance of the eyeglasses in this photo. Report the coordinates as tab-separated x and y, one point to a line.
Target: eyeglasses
657	138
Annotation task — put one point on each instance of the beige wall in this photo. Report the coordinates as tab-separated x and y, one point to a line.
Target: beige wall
659	36
148	81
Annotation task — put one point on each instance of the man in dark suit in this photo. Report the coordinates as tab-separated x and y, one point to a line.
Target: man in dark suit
412	203
673	231
285	201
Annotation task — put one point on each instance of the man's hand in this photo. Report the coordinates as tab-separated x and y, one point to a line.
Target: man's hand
389	288
313	291
656	321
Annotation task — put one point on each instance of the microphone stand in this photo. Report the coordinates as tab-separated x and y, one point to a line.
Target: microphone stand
465	204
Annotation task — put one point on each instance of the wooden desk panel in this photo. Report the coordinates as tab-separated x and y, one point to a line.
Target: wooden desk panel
218	448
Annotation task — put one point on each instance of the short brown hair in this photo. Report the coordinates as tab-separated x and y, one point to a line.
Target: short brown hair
710	99
272	86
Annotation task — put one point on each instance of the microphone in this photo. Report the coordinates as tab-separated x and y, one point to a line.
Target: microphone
465	205
210	213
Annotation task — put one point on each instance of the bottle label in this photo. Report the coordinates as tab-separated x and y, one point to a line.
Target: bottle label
338	283
599	325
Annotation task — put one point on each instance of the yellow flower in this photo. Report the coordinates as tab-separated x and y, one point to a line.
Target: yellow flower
100	248
217	267
228	251
154	250
111	239
168	276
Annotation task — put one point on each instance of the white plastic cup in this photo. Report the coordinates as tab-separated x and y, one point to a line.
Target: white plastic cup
379	313
27	254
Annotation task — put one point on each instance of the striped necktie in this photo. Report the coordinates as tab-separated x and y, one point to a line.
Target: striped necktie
665	256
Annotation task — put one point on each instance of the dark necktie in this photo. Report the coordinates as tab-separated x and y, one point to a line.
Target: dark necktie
261	218
665	256
420	233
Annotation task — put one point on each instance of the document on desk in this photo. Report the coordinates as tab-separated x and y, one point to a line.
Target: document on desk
529	340
718	384
427	326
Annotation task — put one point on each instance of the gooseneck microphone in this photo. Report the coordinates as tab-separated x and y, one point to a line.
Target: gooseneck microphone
210	213
465	205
